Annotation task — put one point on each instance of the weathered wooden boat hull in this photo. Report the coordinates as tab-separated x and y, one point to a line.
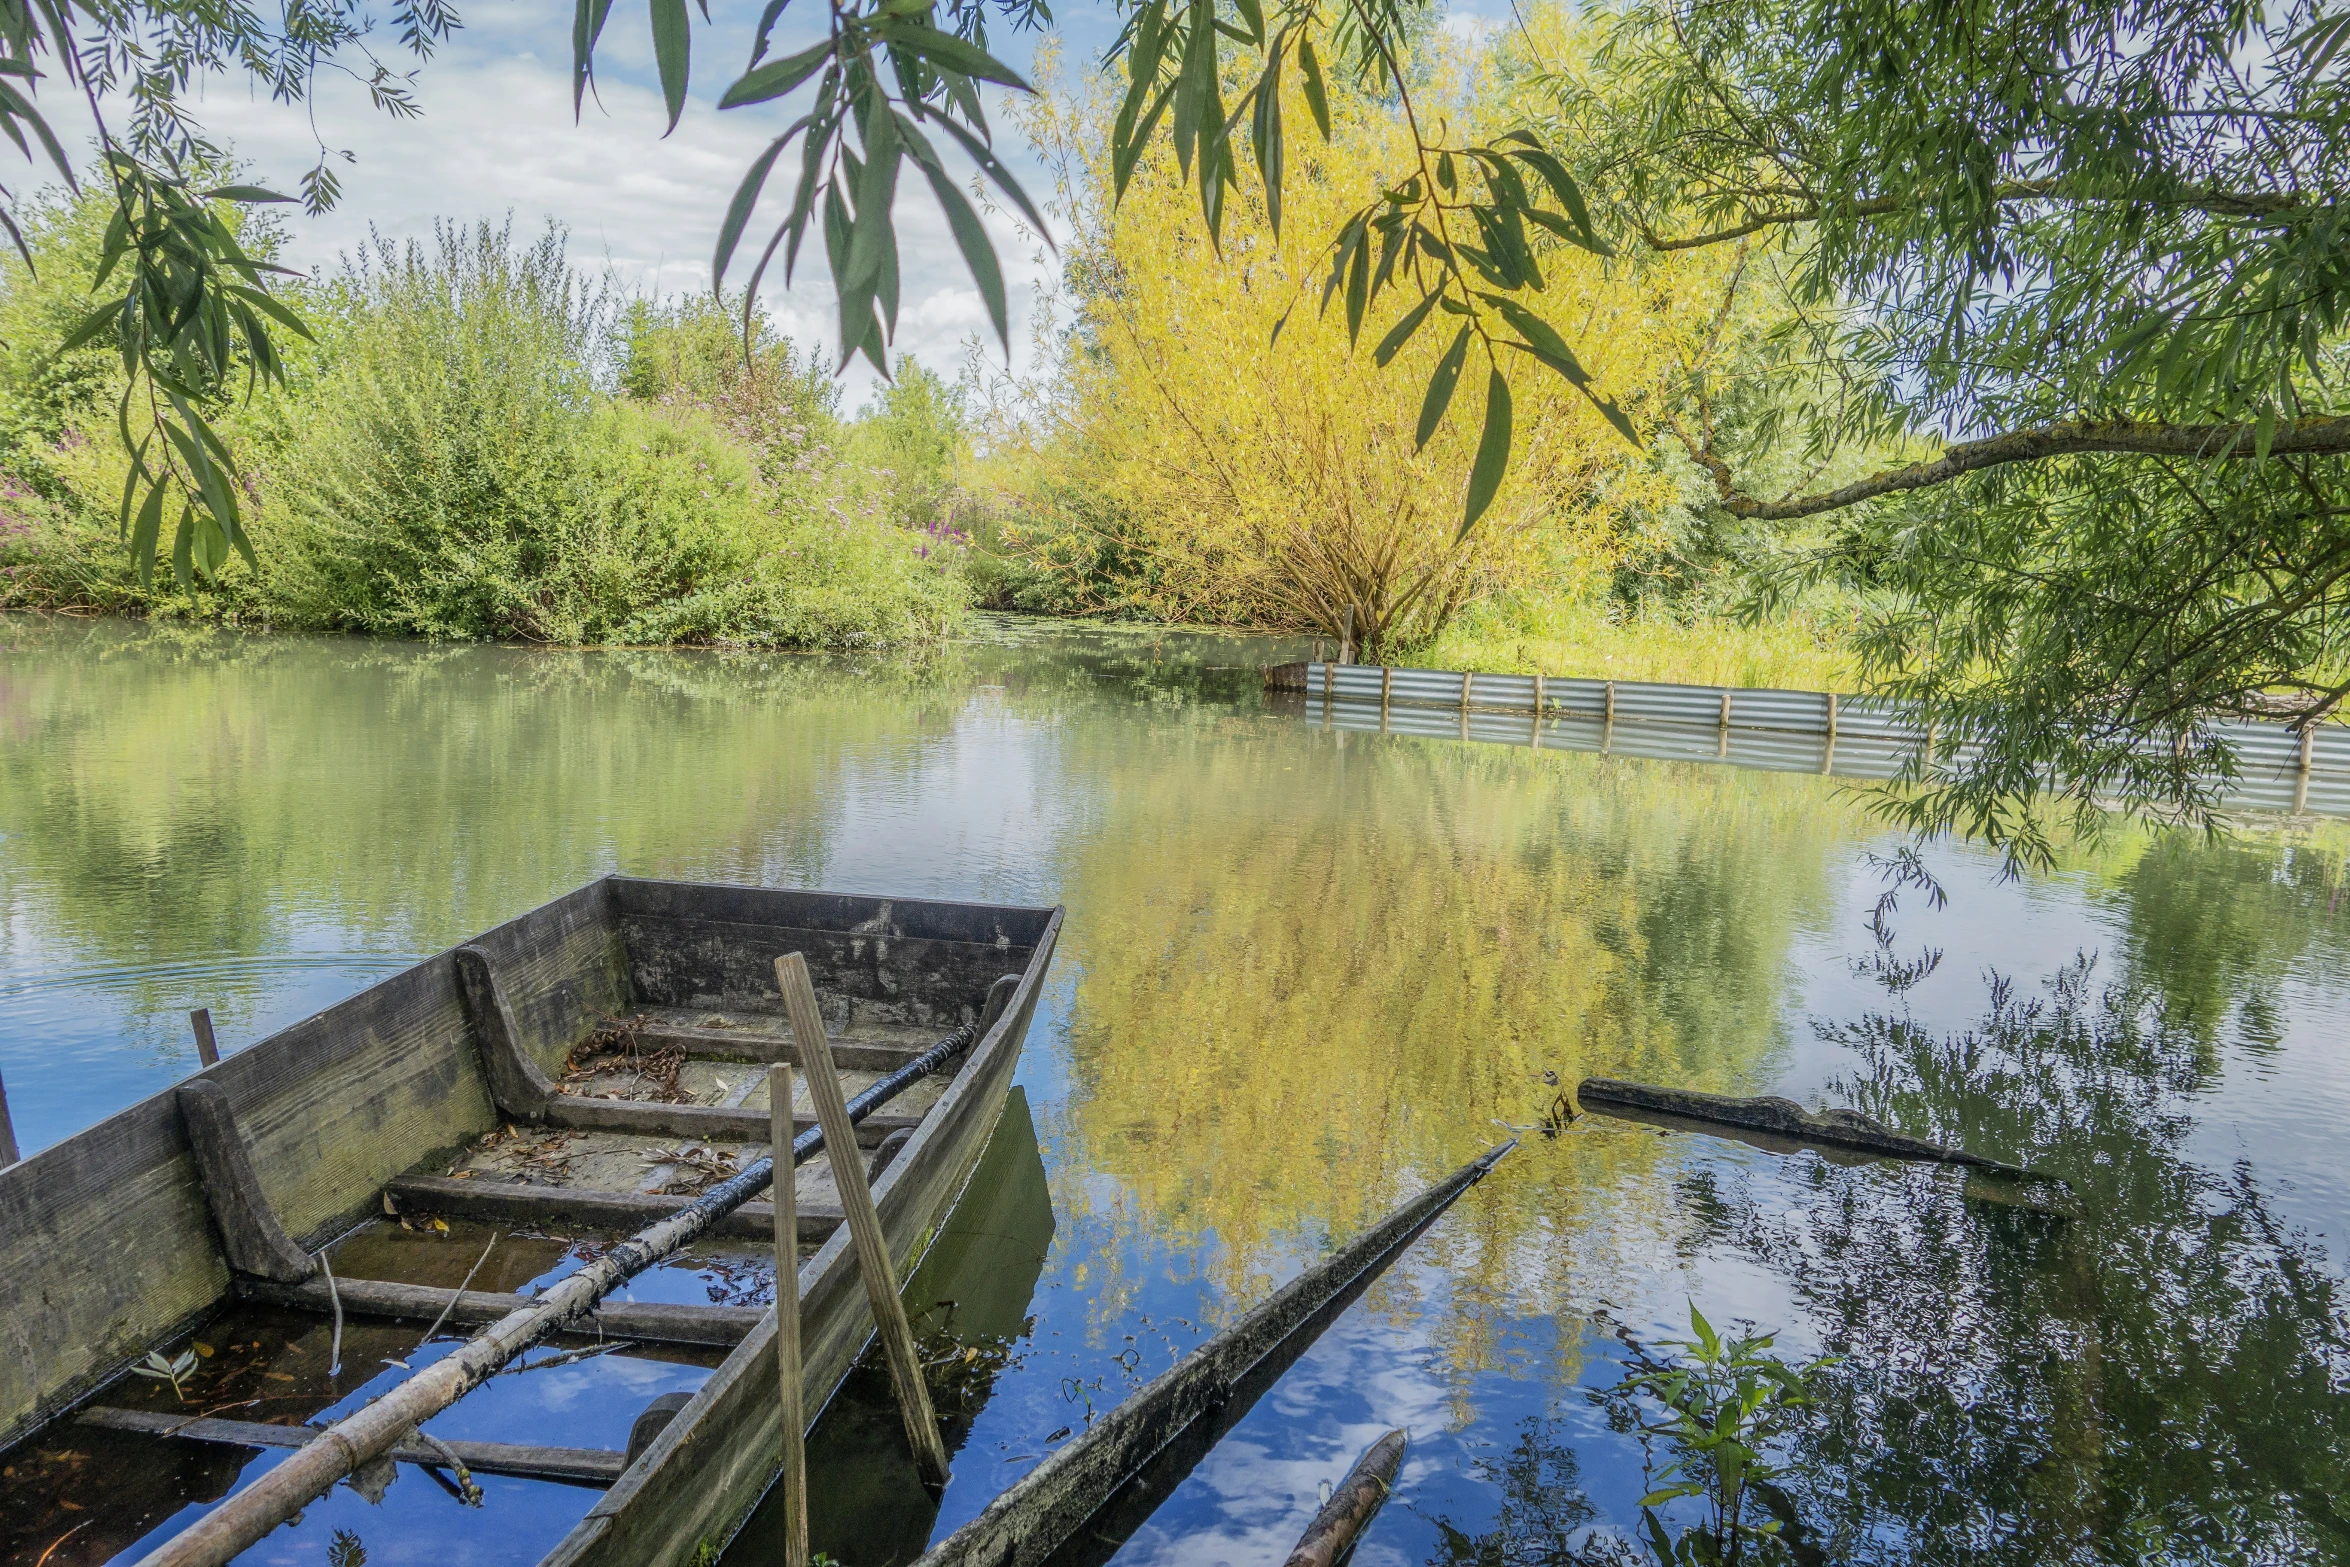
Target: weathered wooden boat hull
701	1478
108	1245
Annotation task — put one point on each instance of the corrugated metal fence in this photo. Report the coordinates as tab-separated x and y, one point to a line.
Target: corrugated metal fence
1785	731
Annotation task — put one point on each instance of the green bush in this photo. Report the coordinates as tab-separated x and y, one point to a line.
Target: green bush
445	463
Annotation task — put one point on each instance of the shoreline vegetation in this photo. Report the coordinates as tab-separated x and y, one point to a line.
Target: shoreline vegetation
482	440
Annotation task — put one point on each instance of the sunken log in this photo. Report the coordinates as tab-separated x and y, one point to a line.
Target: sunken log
1776	1117
1352	1506
578	1465
1119	1458
644	1322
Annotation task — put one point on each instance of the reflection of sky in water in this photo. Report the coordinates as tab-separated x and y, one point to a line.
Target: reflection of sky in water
1011	785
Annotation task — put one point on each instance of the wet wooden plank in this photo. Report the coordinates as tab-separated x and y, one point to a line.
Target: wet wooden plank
513	1203
578	1465
728	1044
710	1123
910	918
646	1322
250	1235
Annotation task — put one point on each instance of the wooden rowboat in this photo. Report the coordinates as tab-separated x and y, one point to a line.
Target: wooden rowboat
572	1075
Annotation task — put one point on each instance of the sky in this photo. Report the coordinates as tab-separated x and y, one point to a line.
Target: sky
497	139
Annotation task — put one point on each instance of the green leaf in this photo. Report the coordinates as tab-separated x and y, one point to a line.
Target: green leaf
993	167
951	53
1401	333
587	25
738	211
971	239
1265	137
1309	74
269	306
1358	290
249	193
1658	1541
183	548
1127	149
1493	452
1570	196
1196	83
144	534
2264	431
1540	336
1440	385
777	77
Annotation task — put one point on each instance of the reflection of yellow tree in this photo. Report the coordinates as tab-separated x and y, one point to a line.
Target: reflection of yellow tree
1307	981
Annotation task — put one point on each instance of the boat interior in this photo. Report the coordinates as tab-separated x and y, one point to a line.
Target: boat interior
613	1067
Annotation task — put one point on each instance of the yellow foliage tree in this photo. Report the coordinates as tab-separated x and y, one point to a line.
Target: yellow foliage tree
1250	464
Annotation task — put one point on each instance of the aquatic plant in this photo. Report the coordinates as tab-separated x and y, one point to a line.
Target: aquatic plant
1725	1401
174	1369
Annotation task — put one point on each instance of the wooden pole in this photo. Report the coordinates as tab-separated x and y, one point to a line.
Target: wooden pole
1352	1506
1831	717
787	1325
1346	637
207	1048
1608	714
8	1153
856	1201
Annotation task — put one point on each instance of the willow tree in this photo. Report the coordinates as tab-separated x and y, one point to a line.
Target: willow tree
2092	256
1244	462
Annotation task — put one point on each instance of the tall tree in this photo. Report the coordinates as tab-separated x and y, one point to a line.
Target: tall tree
2090	256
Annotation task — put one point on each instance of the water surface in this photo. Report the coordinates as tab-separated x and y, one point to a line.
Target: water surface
1304	972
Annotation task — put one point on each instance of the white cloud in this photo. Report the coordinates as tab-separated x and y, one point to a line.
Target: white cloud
498	136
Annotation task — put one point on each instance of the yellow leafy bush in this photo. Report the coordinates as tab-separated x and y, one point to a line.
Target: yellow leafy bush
1245	464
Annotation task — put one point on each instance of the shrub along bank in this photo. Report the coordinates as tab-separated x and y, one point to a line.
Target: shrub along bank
481	442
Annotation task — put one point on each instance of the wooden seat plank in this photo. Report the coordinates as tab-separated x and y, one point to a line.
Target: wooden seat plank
577	1465
645	1322
511	1202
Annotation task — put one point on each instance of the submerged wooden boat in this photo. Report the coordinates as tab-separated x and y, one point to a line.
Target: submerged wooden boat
567	1077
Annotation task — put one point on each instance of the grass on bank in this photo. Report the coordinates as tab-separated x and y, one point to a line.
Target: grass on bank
1801	652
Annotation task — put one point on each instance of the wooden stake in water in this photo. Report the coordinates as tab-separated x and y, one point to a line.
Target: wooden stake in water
207	1048
8	1153
856	1201
787	1321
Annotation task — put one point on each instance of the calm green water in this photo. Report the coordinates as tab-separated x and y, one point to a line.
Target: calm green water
1304	972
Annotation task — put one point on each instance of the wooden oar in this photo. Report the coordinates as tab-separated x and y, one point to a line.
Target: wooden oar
1115	1475
1352	1506
362	1437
